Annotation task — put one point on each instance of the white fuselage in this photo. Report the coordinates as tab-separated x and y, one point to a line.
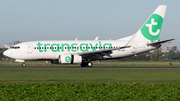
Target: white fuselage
50	50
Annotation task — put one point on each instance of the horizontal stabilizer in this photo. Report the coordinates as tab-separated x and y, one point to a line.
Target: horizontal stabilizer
155	43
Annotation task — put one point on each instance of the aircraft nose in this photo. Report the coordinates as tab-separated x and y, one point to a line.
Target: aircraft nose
7	53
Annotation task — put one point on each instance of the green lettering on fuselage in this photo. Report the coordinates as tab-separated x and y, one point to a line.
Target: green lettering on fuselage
74	47
84	47
107	44
45	47
93	47
57	48
62	45
39	46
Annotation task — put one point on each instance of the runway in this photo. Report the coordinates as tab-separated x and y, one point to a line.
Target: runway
90	68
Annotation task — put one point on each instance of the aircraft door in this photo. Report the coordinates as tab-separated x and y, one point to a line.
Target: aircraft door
134	48
29	48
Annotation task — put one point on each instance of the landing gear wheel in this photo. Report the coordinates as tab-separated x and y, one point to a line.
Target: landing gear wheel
23	65
89	64
83	64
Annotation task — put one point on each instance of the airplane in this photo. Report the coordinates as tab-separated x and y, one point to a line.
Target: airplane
83	52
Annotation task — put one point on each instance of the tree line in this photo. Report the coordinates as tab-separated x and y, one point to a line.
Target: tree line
171	55
156	55
1	52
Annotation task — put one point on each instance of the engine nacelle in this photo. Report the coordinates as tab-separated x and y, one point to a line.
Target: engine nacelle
68	58
77	59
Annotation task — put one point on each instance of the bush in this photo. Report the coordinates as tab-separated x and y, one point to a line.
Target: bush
89	91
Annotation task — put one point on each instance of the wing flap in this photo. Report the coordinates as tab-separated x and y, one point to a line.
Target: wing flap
98	54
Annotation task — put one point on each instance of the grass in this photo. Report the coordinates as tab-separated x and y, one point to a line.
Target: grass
107	63
90	76
35	84
34	64
138	63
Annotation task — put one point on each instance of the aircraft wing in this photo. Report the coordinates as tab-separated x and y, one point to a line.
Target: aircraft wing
106	52
99	53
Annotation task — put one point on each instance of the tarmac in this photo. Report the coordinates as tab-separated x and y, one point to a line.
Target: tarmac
170	68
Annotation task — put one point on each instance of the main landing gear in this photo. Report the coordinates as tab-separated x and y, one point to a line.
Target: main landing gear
86	64
24	65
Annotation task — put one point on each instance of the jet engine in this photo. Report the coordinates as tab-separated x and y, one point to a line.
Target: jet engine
68	58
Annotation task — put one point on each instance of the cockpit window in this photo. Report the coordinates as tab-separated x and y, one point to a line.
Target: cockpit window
15	47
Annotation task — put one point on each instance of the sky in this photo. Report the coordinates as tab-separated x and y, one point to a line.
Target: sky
35	20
